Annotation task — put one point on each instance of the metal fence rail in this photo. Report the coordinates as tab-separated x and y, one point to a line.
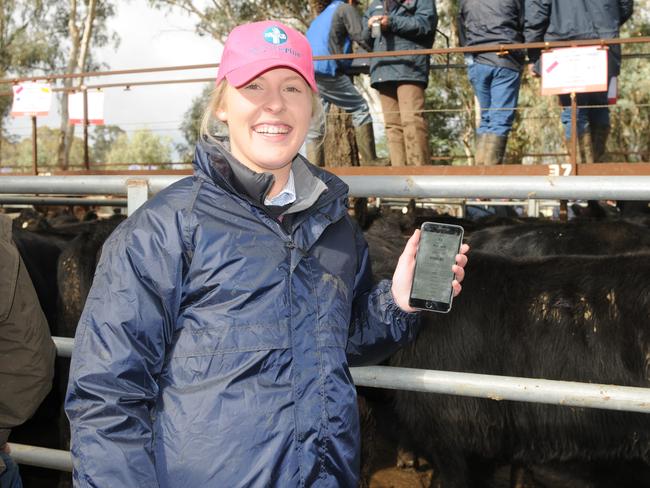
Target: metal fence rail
526	187
573	394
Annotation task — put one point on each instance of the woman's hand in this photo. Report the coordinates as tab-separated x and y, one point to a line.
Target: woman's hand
403	276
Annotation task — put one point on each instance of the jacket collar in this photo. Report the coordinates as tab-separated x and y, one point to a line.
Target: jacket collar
314	186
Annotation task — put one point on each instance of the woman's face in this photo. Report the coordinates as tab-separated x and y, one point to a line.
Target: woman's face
267	119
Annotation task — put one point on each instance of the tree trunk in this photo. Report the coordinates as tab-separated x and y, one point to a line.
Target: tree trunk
340	144
76	63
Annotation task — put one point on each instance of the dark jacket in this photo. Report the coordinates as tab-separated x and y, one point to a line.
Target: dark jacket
493	22
562	20
331	32
27	352
213	350
412	26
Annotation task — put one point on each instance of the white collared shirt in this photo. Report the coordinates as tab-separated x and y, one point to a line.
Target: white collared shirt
286	196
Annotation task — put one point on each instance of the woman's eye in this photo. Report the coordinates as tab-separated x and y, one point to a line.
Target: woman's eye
252	86
293	89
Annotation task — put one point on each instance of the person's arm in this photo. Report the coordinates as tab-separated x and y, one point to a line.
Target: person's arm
354	26
382	320
27	352
626	8
462	37
536	18
379	327
422	23
120	345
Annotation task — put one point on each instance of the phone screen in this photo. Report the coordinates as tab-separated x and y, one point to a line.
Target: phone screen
439	244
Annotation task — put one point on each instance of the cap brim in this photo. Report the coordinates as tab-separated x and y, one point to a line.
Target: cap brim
243	74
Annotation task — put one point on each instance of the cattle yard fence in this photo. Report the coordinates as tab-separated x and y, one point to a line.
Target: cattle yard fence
137	189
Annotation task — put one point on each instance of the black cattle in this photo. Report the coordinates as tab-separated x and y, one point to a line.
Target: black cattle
573	318
551	238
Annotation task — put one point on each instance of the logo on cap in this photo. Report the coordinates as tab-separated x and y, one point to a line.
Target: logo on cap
275	35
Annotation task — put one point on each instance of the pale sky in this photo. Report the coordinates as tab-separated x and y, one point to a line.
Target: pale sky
149	38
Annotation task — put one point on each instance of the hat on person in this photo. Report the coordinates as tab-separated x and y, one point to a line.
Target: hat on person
251	49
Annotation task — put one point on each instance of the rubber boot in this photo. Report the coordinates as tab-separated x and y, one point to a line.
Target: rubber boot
479	150
316	152
494	148
365	137
599	136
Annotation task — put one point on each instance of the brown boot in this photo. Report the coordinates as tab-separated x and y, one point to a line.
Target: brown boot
479	150
365	137
599	136
316	152
494	148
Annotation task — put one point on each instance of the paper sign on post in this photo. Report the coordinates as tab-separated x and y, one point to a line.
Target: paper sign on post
574	70
95	107
32	99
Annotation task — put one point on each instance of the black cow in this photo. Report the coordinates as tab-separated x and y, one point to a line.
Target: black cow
547	238
573	318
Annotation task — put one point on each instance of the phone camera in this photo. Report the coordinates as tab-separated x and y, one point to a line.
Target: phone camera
428	305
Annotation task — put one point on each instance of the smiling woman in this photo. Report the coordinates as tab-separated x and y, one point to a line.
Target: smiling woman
214	346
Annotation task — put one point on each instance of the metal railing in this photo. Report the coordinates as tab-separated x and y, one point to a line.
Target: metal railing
610	397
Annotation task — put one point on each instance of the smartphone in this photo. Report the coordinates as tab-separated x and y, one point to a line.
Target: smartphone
431	289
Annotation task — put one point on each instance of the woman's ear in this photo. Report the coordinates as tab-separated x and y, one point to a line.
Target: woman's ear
221	114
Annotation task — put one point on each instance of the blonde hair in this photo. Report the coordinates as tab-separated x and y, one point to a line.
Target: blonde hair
212	129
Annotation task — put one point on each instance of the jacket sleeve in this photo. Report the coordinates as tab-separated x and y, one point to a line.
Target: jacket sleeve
626	9
120	346
379	327
422	23
536	19
354	25
27	352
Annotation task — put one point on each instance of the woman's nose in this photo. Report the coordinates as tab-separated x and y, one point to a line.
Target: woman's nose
275	101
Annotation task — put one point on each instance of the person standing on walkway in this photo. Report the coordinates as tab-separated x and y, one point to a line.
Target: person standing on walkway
337	24
495	76
396	25
559	20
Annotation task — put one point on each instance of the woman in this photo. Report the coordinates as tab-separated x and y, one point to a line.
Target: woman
214	347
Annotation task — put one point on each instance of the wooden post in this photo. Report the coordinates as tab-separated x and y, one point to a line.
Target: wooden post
34	146
86	156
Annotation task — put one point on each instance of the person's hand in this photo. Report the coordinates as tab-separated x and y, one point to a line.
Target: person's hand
403	276
382	19
531	70
5	448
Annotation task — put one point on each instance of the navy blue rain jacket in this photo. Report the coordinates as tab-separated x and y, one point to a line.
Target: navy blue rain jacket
214	346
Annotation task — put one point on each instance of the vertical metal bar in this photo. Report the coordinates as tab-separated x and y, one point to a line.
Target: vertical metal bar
34	146
574	133
86	157
137	194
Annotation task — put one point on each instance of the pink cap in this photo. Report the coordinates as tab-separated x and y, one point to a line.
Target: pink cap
252	49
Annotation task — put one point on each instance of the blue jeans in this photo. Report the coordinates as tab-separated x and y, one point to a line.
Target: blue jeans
497	90
585	117
340	90
10	477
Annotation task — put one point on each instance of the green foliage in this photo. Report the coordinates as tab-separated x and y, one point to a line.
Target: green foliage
191	125
102	140
18	155
144	147
218	17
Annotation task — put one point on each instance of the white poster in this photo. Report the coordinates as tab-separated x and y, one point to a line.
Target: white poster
31	99
574	70
95	107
